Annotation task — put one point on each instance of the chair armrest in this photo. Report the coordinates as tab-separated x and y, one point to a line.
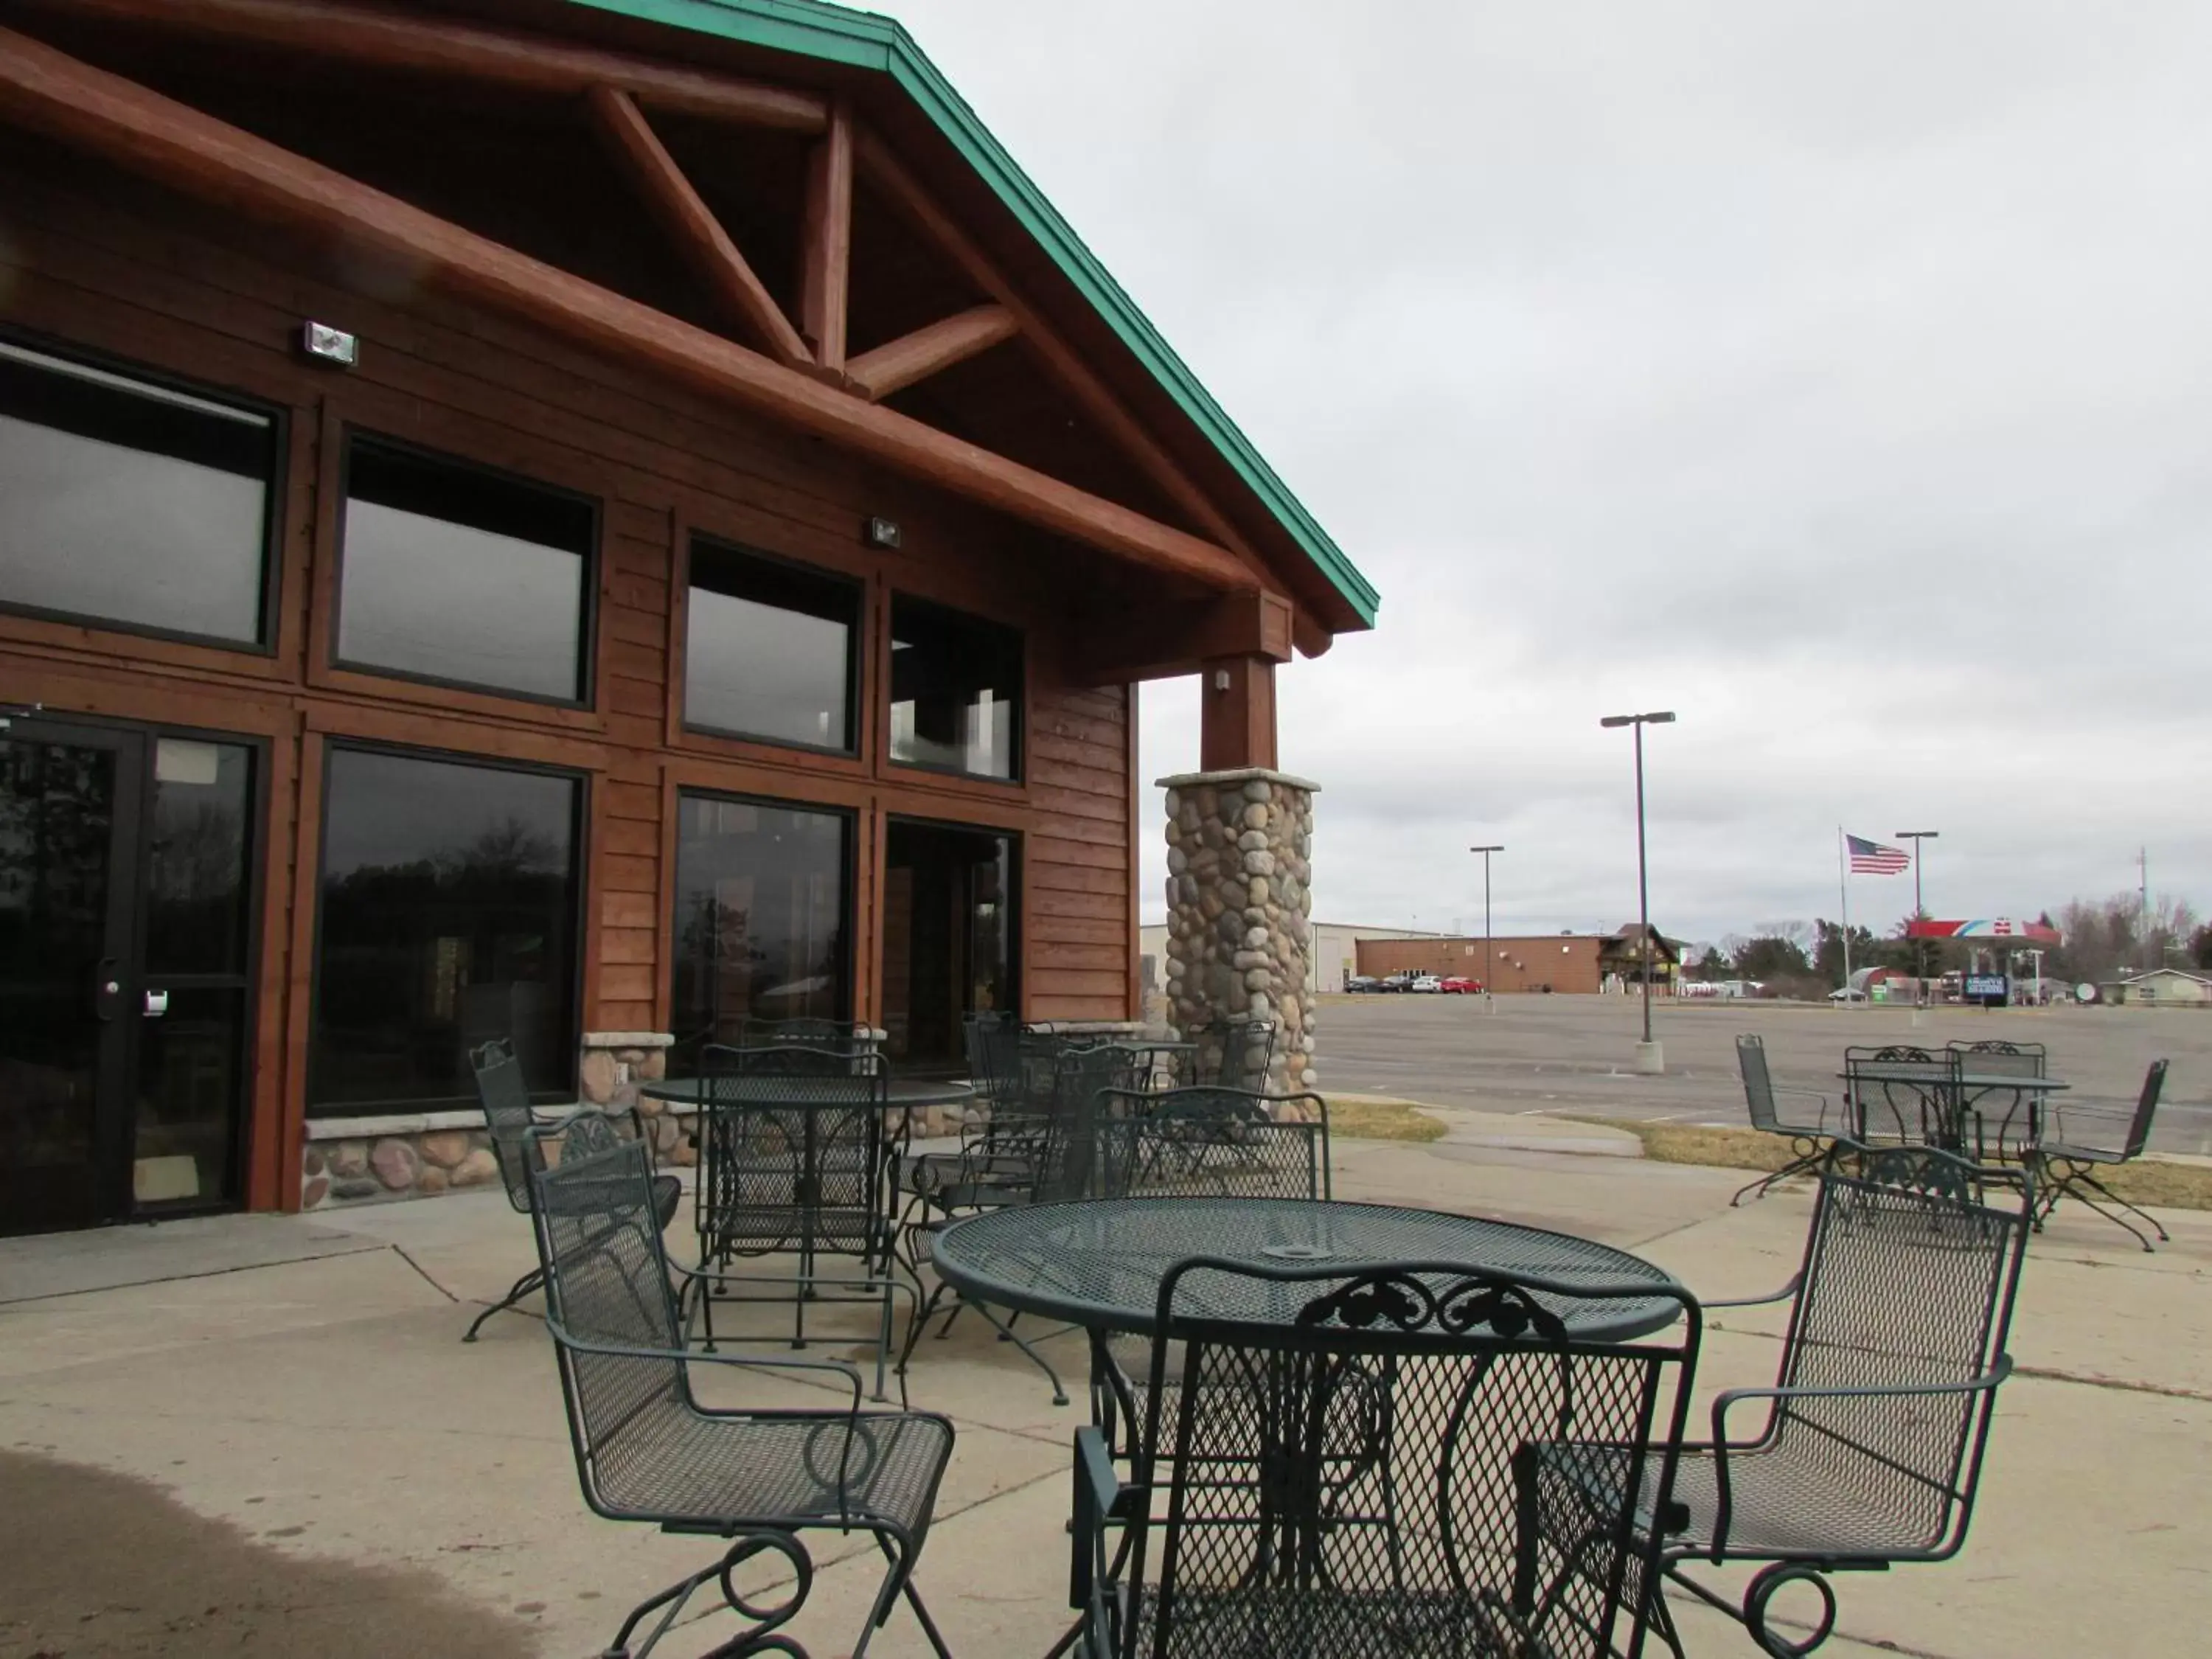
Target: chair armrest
1723	1403
1097	1493
850	1374
1808	1094
1781	1295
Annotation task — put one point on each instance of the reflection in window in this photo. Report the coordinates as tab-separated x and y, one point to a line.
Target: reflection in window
449	899
760	916
949	934
130	502
196	874
956	691
769	651
452	574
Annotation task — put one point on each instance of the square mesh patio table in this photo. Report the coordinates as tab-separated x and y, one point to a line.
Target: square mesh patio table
1099	1263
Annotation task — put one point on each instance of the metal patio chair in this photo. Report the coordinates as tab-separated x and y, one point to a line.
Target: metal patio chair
1193	1143
2066	1163
1901	1094
795	1158
1809	1141
2018	1112
1354	1471
1872	1447
1232	1054
647	1450
1056	1156
512	1121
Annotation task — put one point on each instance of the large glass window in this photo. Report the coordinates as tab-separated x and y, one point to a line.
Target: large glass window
956	691
449	901
130	502
768	649
949	934
453	574
763	916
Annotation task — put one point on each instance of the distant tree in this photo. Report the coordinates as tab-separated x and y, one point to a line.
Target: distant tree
1828	953
1712	964
1771	957
2200	947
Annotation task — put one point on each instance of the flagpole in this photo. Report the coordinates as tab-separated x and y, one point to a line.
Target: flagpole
1844	888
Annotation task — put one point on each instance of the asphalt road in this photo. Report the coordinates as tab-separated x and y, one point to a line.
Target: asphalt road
1575	1053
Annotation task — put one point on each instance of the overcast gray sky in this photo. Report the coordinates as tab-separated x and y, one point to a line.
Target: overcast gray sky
1839	376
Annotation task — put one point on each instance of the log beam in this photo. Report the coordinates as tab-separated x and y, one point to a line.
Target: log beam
54	94
699	236
1166	641
917	357
888	174
438	46
826	240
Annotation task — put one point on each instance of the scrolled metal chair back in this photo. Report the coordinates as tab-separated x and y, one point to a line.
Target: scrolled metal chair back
1212	1142
1909	1279
1356	1456
1900	1090
505	1098
1234	1053
791	1150
1067	1148
606	1287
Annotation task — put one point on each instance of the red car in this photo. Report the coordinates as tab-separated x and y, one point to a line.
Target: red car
1461	983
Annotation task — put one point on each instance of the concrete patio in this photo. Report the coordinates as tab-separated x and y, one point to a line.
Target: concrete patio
383	1489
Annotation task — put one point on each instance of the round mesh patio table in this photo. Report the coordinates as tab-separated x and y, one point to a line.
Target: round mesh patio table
897	1091
1099	1263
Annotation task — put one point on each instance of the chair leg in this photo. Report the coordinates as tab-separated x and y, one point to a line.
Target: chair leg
532	1281
1804	1163
762	1637
899	1581
2079	1183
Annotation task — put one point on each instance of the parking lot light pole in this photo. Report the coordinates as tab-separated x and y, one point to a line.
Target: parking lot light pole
1650	1059
1486	965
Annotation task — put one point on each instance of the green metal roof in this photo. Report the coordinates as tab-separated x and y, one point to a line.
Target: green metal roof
864	40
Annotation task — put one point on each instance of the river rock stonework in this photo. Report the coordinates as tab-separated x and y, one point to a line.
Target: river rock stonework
1239	847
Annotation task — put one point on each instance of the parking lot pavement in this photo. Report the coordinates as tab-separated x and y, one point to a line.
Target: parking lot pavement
1573	1054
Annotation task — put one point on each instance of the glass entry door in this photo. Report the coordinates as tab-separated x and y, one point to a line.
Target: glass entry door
125	905
948	936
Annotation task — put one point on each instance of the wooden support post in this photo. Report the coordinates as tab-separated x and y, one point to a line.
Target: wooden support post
699	235
926	351
826	246
137	129
1237	714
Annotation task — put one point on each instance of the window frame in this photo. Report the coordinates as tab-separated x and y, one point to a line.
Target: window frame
1018	778
350	432
849	817
855	647
580	832
276	487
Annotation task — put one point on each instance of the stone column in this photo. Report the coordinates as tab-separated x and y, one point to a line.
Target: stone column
613	1064
1239	849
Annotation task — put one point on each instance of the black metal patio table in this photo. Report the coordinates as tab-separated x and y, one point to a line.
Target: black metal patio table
1099	1262
1951	1094
900	1091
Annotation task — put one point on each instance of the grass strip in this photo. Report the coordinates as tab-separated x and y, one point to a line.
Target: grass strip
1383	1120
2152	1184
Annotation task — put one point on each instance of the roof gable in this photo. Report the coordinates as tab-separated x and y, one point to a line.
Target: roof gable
865	41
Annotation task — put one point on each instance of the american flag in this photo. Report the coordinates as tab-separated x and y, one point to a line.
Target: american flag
1871	858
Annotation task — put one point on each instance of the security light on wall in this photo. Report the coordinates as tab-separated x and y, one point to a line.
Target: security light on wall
882	532
1221	680
330	345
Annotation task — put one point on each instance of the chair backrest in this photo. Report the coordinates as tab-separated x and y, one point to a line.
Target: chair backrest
1909	1282
1065	1153
2154	1085
1996	1057
1212	1143
1899	1088
1758	1083
993	1041
791	1153
505	1098
607	1284
1234	1053
1405	1446
758	1033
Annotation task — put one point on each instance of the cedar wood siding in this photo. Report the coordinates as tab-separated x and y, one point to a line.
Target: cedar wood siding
92	258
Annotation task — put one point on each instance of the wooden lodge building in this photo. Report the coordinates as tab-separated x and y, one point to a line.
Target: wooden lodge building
578	520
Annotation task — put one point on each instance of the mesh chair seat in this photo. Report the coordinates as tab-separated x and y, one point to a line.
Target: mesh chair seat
1275	1620
716	1473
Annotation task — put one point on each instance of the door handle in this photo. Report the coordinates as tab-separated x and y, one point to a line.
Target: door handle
157	1004
106	989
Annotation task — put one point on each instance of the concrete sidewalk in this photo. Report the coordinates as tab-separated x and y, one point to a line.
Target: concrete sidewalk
303	1383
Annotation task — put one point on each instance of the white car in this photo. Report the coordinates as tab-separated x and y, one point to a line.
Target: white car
1424	983
1847	994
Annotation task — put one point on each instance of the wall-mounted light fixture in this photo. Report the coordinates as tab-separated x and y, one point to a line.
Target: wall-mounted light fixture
882	532
330	345
1221	680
